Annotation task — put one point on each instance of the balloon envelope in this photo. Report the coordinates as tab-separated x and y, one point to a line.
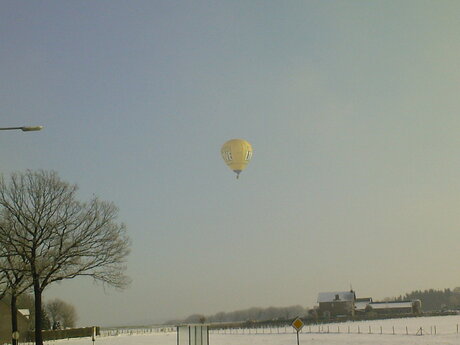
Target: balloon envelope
236	154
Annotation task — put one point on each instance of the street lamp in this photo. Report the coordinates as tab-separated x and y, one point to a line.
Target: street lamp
23	128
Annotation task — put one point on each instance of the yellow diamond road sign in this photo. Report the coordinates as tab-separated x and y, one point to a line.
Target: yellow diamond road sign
298	324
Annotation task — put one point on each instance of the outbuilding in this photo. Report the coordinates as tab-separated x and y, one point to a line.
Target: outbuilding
395	307
5	324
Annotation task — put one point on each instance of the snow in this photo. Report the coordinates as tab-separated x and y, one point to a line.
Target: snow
390	305
446	328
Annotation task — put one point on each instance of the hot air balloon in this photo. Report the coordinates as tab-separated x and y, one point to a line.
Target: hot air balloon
236	153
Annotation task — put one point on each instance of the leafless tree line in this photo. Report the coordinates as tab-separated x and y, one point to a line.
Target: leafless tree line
251	314
47	235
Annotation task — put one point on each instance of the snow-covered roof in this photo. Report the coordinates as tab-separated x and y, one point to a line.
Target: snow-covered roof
25	312
341	296
361	305
390	305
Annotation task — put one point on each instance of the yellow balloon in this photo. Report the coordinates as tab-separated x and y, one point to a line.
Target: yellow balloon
237	153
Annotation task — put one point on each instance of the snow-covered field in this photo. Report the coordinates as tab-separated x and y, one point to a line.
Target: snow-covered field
436	330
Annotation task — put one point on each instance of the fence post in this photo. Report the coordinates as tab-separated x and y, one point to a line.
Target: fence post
359	330
381	332
93	335
407	331
393	330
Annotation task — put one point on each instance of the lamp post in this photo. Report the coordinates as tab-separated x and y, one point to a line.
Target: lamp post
23	128
14	309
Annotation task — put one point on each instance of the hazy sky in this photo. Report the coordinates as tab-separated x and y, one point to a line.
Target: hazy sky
352	108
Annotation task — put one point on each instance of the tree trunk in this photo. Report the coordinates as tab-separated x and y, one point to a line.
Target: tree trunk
38	312
14	317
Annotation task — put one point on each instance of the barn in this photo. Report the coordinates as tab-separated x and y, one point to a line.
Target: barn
395	307
333	304
361	304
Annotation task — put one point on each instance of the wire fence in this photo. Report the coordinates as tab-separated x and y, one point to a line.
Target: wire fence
412	328
346	329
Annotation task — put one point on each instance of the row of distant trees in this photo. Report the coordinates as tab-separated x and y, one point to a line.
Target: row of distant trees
250	314
47	235
435	300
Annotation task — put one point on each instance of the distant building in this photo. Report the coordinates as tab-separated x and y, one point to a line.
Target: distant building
361	304
395	307
345	303
25	312
5	324
333	304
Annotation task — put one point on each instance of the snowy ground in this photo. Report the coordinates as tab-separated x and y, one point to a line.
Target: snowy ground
370	332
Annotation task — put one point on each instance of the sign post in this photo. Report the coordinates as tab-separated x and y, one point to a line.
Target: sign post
298	325
15	337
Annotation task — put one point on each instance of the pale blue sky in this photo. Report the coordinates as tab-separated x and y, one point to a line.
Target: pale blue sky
352	108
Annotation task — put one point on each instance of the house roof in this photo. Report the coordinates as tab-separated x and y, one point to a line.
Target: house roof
25	312
341	296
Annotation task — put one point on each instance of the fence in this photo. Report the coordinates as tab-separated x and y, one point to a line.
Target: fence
100	332
62	334
110	332
344	329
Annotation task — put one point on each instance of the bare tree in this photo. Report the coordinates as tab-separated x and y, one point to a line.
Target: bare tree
59	237
3	283
62	312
